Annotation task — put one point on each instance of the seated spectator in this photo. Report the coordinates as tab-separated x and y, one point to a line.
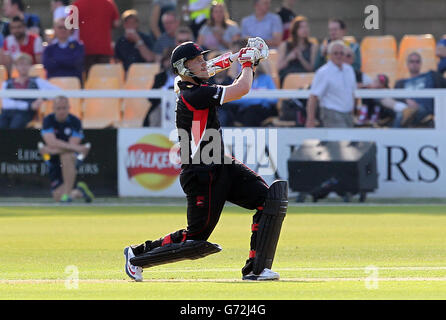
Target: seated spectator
441	53
16	112
159	7
263	24
333	86
417	109
373	111
287	15
362	79
198	13
336	31
183	34
63	57
96	21
59	9
134	46
219	32
20	41
62	134
251	112
167	38
16	8
297	54
163	80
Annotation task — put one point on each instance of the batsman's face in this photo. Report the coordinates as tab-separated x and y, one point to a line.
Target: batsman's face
198	67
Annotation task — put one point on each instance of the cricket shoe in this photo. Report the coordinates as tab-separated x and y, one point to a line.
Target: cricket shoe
86	192
265	275
134	272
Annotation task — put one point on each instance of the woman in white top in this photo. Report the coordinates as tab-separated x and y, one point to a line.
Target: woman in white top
220	31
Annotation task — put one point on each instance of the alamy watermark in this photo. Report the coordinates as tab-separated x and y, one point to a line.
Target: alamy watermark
371	21
72	277
72	21
372	280
256	147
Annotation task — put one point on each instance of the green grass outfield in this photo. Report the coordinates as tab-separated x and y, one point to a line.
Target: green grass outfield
323	253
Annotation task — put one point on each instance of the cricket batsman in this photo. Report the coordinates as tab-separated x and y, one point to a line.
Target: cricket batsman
209	185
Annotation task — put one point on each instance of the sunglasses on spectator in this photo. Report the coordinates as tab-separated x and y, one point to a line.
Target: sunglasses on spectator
414	61
338	53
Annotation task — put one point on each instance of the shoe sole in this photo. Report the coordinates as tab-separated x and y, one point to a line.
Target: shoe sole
253	277
126	251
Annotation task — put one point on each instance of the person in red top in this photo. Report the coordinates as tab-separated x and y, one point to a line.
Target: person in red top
20	41
97	18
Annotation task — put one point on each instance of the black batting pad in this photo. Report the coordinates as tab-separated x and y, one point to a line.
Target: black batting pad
188	250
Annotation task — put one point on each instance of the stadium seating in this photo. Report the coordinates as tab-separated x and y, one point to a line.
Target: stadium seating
101	113
107	70
414	42
135	110
298	80
143	70
3	77
66	83
3	73
377	48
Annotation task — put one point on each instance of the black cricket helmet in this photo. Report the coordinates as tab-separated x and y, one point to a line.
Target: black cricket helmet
182	53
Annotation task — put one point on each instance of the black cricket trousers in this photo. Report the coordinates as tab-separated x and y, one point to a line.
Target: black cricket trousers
208	188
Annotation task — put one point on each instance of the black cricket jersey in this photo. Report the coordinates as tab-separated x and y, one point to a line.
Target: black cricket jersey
196	113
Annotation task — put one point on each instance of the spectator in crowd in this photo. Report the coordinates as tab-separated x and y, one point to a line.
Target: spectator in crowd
21	41
62	134
163	80
183	34
96	21
251	112
219	32
373	111
59	9
441	54
336	31
2	56
167	39
159	7
287	15
333	86
17	113
64	57
16	8
298	53
362	79
414	111
199	13
134	46
263	24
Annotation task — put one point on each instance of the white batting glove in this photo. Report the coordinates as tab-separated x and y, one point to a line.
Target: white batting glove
260	44
249	56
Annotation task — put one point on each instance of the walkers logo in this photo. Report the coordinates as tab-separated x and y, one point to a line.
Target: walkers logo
149	163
